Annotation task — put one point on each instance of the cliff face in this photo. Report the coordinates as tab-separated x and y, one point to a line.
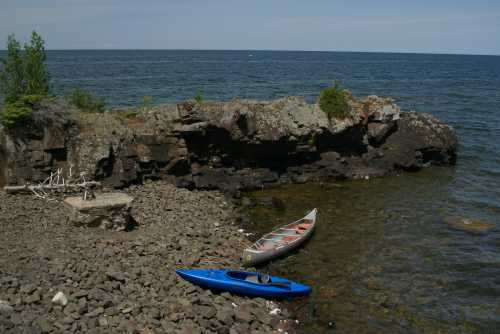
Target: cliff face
241	144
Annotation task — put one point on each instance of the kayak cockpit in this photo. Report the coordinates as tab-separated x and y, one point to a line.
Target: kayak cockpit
250	277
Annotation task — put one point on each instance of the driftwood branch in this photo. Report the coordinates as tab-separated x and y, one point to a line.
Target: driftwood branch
56	184
48	187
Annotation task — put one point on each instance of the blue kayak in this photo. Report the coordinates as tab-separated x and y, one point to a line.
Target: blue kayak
244	282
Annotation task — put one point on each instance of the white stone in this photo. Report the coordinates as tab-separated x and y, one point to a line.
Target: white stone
5	307
60	299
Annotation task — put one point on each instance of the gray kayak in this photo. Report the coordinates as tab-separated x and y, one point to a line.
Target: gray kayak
280	241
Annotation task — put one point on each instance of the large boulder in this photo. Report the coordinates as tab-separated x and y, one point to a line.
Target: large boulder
420	139
109	211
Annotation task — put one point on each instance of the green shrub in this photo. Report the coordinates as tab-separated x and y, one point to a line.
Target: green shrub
85	101
199	96
147	103
32	100
333	102
17	112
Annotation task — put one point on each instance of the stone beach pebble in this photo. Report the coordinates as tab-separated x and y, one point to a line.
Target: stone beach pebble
58	278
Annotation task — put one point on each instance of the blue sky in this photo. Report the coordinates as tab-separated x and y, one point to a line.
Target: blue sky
438	26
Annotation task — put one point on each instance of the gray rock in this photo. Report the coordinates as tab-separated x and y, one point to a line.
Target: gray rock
34	298
225	316
95	312
107	210
5	307
127	310
45	325
116	276
243	314
207	312
378	131
103	322
28	288
60	299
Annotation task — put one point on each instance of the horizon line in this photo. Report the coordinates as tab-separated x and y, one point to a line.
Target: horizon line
282	50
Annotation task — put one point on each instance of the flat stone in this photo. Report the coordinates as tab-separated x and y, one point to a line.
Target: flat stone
96	312
116	276
102	201
34	298
127	310
108	211
28	288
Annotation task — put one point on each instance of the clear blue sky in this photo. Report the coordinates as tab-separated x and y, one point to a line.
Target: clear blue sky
435	26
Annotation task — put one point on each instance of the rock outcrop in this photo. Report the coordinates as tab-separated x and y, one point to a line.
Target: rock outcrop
235	145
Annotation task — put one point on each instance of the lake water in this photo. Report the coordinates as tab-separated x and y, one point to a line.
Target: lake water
383	260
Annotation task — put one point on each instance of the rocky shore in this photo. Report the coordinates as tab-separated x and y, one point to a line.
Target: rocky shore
231	146
58	278
124	282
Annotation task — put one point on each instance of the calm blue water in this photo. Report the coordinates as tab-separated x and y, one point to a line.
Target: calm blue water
388	232
461	90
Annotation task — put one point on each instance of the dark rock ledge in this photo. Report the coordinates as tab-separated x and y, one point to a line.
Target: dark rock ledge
231	146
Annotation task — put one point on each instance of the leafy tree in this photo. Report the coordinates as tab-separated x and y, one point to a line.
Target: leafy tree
333	102
37	76
12	78
24	79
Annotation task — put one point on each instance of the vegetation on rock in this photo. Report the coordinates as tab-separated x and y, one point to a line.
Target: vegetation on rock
147	103
199	96
333	102
86	101
16	113
24	79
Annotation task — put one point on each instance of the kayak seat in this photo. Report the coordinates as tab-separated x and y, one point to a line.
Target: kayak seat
264	279
290	238
252	278
260	279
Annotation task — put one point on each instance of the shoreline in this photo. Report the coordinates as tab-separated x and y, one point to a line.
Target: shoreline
229	146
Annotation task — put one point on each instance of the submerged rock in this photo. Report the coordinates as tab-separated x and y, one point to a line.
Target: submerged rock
473	226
